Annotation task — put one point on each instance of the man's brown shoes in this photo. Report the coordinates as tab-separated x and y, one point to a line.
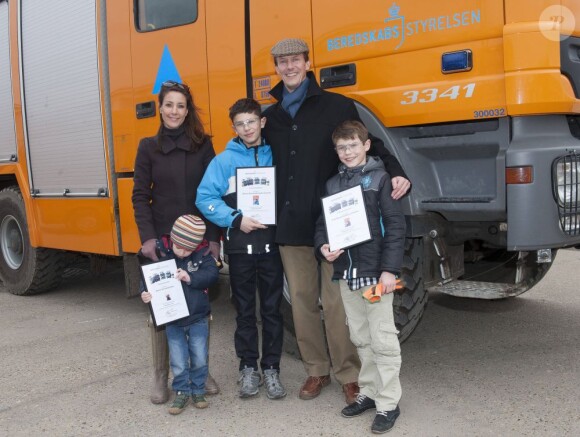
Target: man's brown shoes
313	386
350	391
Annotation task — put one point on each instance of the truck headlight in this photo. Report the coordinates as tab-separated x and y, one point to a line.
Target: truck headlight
565	172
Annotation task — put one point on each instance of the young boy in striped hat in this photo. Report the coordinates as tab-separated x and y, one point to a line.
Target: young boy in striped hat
187	337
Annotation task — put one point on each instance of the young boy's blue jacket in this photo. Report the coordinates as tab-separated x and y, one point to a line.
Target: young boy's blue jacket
216	197
203	273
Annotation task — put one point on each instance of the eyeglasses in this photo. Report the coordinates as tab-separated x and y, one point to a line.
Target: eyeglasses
171	83
252	122
350	147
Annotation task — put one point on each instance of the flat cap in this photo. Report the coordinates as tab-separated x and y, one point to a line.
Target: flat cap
289	46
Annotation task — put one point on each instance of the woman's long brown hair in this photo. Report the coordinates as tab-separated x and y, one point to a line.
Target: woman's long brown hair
192	123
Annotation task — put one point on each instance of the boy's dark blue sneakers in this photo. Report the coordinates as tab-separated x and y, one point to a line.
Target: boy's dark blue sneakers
385	420
359	406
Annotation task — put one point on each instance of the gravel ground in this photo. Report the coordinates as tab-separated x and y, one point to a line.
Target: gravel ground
75	362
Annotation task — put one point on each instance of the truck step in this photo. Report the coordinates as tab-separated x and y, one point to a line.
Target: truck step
478	289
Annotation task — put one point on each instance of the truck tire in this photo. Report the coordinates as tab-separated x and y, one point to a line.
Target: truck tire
408	304
24	270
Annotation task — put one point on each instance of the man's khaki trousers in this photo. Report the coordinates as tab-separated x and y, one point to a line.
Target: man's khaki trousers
302	273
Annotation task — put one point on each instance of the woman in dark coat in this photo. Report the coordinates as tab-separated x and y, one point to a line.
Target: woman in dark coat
168	170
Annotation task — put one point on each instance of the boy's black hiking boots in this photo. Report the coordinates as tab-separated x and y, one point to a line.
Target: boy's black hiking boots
359	406
385	421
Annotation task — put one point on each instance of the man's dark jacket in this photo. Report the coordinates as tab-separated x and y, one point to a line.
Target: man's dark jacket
167	174
305	158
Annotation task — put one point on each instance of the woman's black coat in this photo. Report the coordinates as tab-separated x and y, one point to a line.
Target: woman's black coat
167	174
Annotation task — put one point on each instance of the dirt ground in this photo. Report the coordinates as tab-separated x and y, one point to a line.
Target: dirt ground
76	362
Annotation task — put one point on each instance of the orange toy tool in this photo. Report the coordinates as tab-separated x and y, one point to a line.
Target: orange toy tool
374	293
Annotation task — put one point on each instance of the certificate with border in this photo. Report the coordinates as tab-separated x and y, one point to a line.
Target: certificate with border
256	193
346	218
168	299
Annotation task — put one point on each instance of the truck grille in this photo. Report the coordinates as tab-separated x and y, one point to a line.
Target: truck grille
565	185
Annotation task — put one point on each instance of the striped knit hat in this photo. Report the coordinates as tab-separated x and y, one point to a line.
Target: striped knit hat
188	231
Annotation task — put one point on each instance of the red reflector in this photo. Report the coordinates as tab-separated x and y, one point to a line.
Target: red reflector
519	175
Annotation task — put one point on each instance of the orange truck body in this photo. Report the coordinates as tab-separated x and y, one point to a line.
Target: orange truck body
395	47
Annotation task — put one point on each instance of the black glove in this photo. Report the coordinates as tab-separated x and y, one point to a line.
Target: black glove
149	249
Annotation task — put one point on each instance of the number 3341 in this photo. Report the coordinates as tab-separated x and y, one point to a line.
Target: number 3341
431	94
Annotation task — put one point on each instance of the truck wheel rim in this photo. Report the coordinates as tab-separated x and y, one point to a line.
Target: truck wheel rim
12	242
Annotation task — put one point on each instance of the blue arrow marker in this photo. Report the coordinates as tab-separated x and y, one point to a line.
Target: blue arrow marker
167	71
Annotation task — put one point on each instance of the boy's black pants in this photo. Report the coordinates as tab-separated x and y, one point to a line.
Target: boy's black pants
263	272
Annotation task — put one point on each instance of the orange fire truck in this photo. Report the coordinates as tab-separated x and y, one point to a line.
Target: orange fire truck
478	99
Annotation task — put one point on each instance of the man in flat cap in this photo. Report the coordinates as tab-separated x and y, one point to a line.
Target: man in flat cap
299	130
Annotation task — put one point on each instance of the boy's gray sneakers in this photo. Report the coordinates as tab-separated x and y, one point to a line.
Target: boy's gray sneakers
274	388
249	382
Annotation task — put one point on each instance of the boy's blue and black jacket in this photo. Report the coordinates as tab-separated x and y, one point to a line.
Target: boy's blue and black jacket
216	197
203	273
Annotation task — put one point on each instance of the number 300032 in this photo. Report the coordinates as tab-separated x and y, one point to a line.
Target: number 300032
496	112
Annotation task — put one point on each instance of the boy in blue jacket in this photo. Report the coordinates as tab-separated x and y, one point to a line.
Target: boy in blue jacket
254	259
187	338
